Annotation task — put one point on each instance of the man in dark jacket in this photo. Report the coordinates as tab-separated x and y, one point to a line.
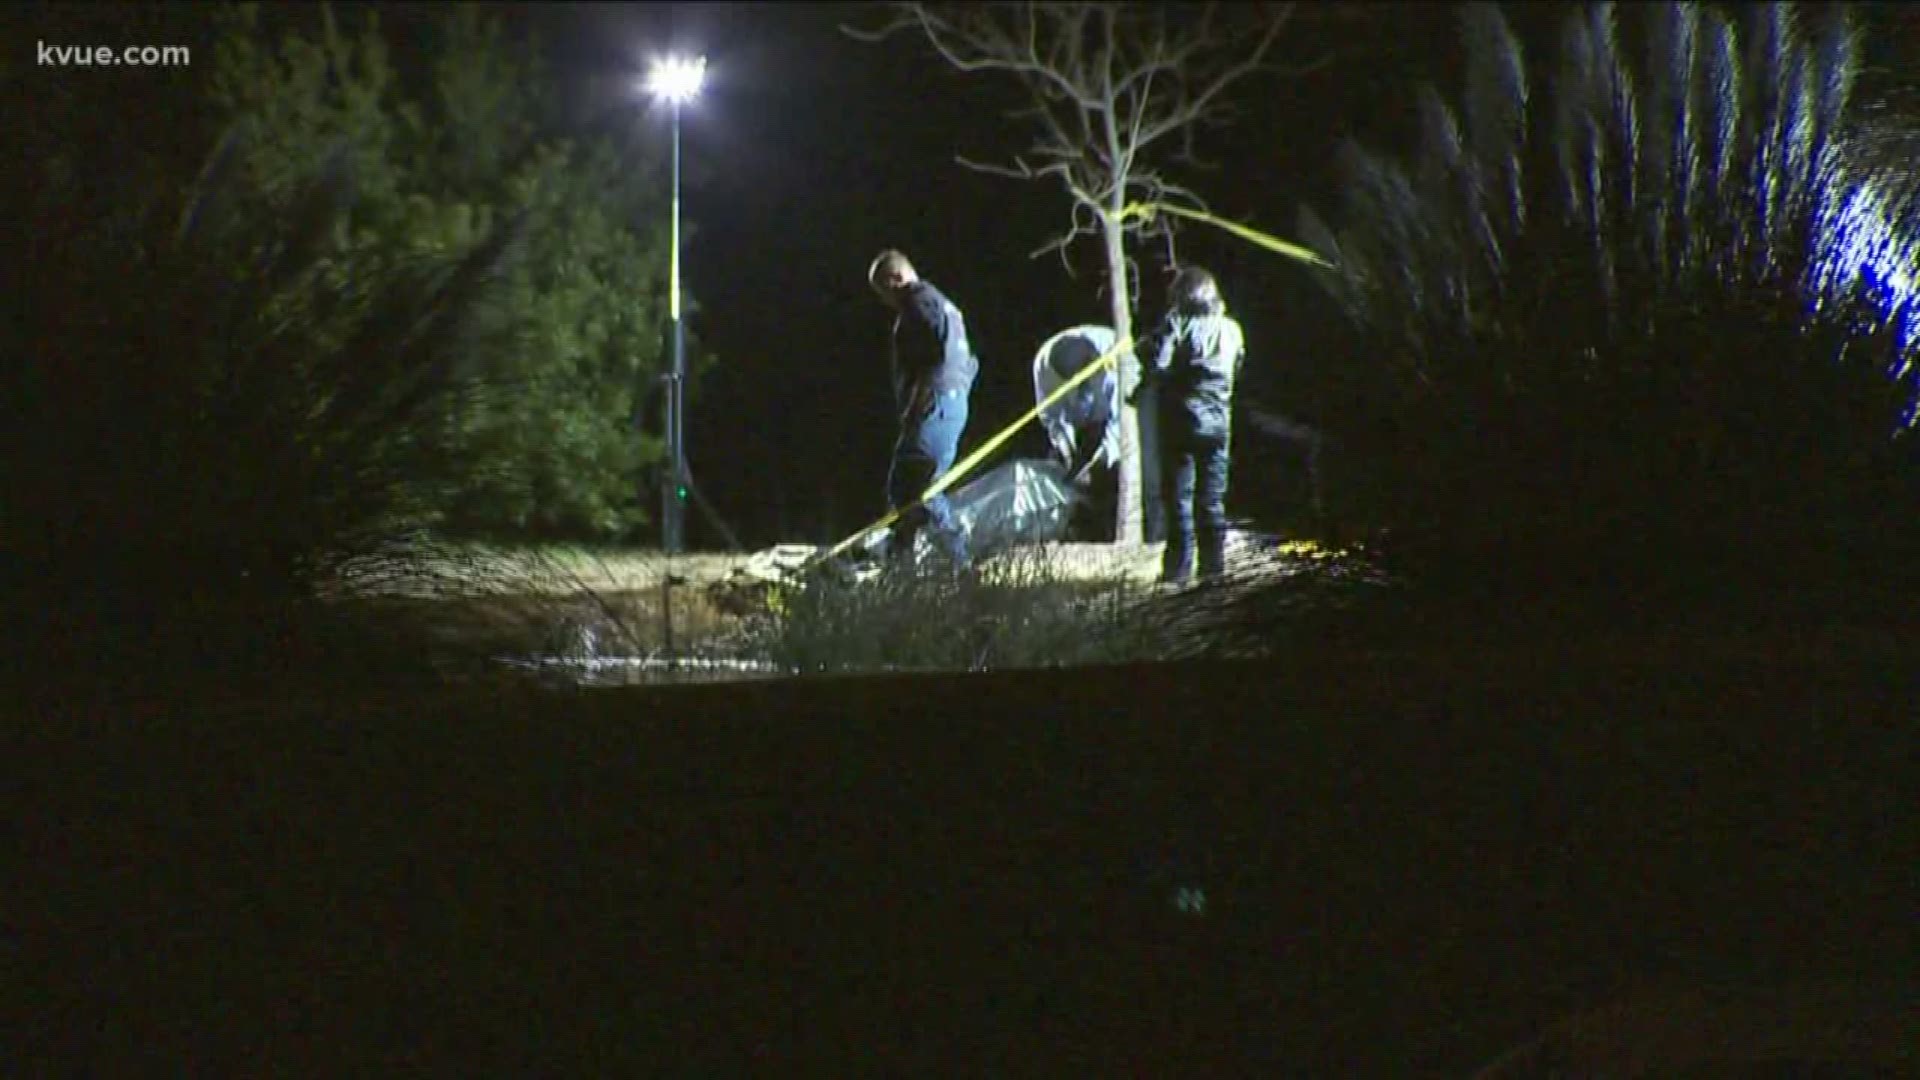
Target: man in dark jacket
1192	360
933	372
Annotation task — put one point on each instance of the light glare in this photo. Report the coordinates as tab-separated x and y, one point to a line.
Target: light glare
677	79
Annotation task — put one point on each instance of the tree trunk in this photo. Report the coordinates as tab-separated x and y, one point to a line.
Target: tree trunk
1127	512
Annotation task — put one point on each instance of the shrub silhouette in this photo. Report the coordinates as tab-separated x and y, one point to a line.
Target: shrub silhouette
197	472
1632	314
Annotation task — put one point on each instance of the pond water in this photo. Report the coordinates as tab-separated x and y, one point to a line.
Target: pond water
607	671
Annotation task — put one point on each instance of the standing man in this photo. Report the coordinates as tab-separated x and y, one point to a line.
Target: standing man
933	372
1191	361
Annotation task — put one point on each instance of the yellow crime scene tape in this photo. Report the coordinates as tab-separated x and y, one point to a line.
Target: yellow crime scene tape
1145	212
967	464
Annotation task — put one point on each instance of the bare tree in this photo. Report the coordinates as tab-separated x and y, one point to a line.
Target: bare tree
1116	91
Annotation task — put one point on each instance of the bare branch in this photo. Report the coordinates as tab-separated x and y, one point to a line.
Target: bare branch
1070	31
902	19
1183	115
1061	245
1110	30
1084	221
1099	100
1189	152
1160	60
982	45
1019	170
1167	234
1163	56
1157	189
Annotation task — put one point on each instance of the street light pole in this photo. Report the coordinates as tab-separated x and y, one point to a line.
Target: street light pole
673	502
678	81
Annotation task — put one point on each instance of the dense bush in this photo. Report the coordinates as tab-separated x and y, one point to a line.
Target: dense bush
448	141
197	468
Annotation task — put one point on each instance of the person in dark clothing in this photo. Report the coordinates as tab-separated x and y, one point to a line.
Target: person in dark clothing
1191	361
933	370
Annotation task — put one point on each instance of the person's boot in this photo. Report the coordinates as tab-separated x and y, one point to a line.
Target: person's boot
901	552
952	550
1213	552
1213	565
1176	565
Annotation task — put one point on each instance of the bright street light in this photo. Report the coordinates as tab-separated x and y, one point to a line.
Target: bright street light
676	80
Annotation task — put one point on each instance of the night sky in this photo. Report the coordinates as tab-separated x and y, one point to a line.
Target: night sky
809	151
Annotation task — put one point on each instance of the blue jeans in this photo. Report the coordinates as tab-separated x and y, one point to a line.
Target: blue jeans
924	453
1193	483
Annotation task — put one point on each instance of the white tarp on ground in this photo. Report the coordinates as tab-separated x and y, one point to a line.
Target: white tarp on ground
1020	502
1023	501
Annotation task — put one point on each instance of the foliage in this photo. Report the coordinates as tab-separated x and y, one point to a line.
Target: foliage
1017	611
1616	317
223	468
387	301
444	153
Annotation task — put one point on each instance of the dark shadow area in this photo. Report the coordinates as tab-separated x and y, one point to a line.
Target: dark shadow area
1403	864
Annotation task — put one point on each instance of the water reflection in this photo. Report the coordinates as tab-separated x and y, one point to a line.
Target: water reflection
611	671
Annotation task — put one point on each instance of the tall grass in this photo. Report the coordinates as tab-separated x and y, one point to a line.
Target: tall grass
1630	318
1022	609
